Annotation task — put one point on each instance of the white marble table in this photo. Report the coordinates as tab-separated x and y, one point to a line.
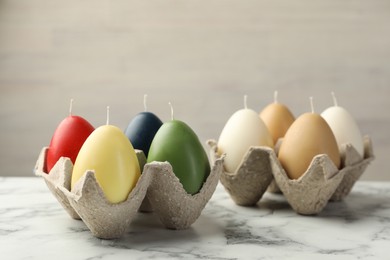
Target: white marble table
33	225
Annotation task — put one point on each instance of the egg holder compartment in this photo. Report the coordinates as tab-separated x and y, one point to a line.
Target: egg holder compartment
351	158
175	208
252	177
307	195
273	187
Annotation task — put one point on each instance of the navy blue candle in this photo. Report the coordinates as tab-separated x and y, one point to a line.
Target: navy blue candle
142	129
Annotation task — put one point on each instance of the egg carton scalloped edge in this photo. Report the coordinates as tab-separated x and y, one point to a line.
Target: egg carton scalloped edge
273	187
175	208
307	195
357	165
247	185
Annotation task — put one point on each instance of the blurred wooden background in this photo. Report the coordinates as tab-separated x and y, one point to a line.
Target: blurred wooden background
203	56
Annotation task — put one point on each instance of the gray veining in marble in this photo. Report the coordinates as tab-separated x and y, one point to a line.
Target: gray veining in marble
34	226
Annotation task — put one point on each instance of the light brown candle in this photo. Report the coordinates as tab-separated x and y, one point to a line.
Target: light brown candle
307	137
278	118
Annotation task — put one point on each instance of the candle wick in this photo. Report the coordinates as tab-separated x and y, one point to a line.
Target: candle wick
312	105
334	99
145	98
245	101
170	104
70	106
276	97
108	115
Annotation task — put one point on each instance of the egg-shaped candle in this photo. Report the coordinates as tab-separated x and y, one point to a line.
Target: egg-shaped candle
109	153
307	137
67	139
142	129
344	126
243	129
278	118
176	143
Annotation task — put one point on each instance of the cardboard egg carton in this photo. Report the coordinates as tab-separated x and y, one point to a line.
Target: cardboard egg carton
173	205
273	187
307	195
247	185
356	165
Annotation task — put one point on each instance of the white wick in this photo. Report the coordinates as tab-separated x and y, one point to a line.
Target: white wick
276	96
71	106
145	107
334	99
108	115
311	104
245	101
170	104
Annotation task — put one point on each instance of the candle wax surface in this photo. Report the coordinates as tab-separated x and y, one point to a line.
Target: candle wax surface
109	153
307	137
278	118
67	140
176	143
344	128
142	129
243	129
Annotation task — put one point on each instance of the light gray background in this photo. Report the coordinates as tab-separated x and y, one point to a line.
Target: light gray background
203	56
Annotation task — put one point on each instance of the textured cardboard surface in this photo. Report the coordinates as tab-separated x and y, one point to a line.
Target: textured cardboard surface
310	193
145	207
105	219
356	166
273	187
175	208
247	185
307	195
60	175
173	205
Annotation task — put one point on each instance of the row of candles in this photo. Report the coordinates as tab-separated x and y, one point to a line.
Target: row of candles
302	138
109	151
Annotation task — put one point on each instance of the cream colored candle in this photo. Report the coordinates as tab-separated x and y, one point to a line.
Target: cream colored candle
344	127
277	117
243	130
307	137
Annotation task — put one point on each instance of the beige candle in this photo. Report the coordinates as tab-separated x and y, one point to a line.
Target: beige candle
277	117
307	137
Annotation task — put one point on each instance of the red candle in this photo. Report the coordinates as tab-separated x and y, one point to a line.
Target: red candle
68	139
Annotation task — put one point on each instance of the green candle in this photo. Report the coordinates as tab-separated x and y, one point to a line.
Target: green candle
176	143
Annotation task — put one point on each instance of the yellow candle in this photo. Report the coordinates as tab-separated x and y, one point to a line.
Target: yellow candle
109	153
